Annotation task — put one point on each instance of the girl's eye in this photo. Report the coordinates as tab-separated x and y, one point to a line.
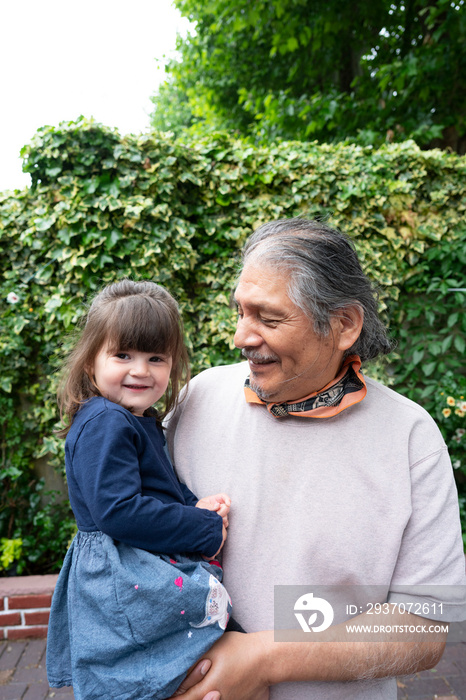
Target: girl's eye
156	359
121	355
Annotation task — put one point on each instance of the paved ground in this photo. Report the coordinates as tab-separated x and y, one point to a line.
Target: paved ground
447	680
22	672
23	677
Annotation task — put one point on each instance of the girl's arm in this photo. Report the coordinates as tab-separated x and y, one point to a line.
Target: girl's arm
189	497
104	463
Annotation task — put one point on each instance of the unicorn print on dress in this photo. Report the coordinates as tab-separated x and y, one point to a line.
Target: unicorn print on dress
216	605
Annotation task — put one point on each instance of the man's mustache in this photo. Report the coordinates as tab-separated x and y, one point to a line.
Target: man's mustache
257	357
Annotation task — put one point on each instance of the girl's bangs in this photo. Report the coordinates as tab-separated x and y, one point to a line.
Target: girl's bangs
143	324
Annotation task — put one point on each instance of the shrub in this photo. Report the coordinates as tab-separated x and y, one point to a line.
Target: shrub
102	207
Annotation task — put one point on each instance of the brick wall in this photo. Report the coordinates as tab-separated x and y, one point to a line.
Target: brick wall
25	606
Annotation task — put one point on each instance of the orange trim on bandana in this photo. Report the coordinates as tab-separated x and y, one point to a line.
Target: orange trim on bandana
349	399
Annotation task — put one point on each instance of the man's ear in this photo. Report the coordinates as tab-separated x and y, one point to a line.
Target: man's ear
347	326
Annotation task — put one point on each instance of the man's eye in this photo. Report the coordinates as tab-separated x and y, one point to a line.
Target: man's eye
269	321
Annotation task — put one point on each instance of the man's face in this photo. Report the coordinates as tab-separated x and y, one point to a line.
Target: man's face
286	357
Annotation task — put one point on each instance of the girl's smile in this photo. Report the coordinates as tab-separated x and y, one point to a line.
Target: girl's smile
133	379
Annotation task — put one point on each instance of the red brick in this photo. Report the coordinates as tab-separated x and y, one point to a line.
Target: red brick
27	632
41	617
2	604
10	619
27	585
29	601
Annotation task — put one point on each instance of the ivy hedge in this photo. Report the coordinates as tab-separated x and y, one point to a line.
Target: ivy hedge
103	206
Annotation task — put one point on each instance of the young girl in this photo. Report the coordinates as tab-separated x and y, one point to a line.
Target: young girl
137	602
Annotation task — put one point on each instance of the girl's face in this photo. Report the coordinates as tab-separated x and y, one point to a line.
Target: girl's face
135	380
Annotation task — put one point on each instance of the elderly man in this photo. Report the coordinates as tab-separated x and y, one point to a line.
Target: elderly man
334	479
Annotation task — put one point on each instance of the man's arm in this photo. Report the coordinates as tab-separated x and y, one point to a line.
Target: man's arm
244	666
341	658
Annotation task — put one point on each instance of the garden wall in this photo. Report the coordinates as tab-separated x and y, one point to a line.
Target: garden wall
25	606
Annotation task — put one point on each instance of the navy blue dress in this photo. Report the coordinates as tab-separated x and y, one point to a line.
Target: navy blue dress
135	604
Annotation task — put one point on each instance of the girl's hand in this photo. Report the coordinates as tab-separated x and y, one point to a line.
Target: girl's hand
220	503
224	536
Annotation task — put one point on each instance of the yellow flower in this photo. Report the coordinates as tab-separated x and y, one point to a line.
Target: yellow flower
446	412
459	413
451	401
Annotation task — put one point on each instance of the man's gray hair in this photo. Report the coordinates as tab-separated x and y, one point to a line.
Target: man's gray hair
325	276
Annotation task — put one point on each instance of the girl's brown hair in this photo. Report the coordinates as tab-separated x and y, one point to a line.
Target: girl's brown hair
127	315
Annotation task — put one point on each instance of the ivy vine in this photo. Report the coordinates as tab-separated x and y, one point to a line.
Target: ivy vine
103	206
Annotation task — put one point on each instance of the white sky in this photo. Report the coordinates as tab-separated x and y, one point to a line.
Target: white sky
63	58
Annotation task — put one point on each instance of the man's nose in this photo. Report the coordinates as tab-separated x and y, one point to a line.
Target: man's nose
246	334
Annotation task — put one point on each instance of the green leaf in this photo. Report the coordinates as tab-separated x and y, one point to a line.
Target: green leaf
429	368
292	44
44	224
460	344
5	384
446	344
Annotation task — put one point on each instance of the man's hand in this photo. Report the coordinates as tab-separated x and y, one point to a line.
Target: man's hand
237	671
195	675
245	665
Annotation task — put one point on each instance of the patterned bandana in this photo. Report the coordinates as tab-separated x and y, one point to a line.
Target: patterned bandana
345	390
